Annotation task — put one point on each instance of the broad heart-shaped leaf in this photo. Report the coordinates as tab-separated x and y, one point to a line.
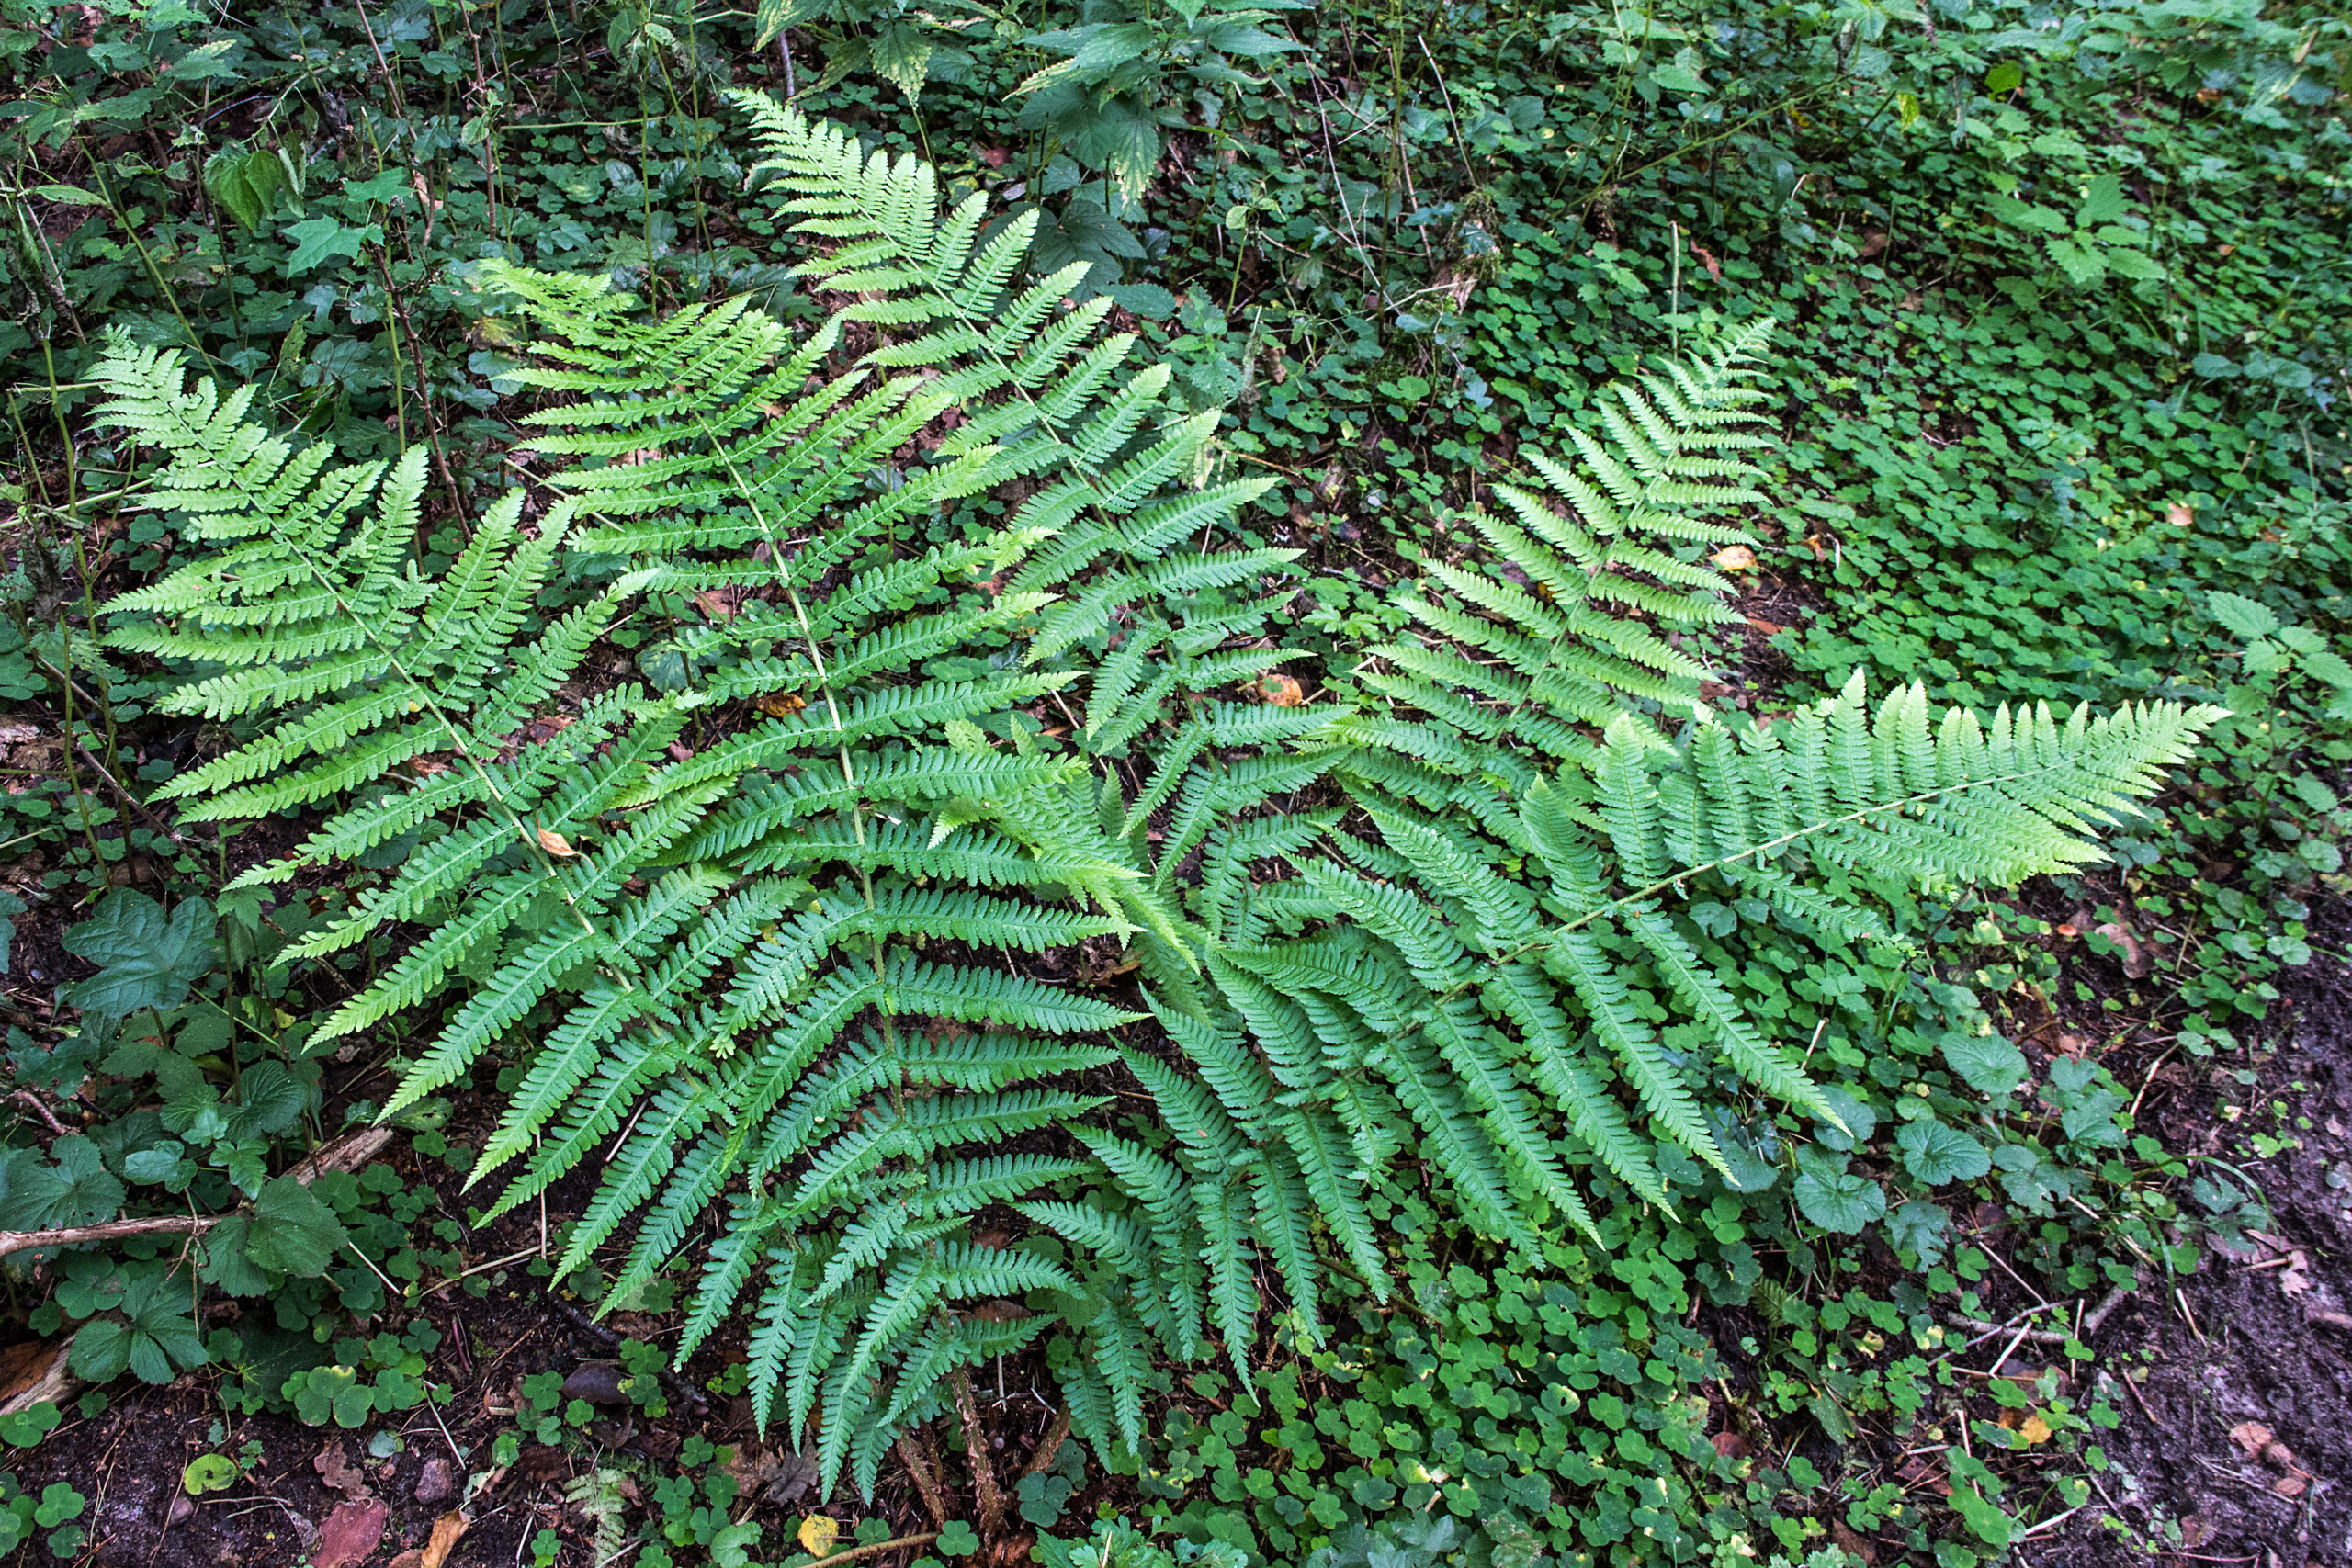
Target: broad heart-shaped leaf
244	184
143	959
1834	1198
293	1232
1989	1064
1936	1154
1860	1119
2248	619
1921	1226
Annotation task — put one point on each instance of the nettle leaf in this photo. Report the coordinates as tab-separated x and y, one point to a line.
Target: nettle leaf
1833	1197
145	959
2102	203
2028	215
270	1101
293	1232
2079	261
1937	1155
2244	617
1987	1064
227	1261
76	1188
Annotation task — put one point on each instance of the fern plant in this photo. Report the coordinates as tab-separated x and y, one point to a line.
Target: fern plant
787	919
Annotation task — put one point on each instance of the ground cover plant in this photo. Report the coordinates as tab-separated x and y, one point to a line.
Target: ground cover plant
1162	747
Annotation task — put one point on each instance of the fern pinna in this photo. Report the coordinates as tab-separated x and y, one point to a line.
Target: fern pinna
966	639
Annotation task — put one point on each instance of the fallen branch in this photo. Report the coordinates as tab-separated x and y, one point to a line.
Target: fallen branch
74	1235
2091	1321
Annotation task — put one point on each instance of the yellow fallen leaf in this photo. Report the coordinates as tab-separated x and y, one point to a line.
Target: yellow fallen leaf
1283	691
446	1531
556	844
2034	1430
782	704
818	1534
1735	558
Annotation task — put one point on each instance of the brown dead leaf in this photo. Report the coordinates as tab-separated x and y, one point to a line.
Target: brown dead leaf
1731	1445
446	1531
351	1534
2296	1277
999	1311
2178	516
719	603
556	844
817	1535
1770	628
2136	963
1734	557
336	1469
2290	1485
2251	1436
782	704
1707	259
1850	1542
412	1557
1282	690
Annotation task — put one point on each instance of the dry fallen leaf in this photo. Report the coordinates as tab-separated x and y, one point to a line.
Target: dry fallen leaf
782	704
446	1531
1770	628
2290	1485
2251	1436
351	1534
1283	691
556	844
334	1468
2179	516
2034	1430
818	1534
1735	558
2136	962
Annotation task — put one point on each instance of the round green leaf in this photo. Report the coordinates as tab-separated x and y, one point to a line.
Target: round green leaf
1936	1154
208	1472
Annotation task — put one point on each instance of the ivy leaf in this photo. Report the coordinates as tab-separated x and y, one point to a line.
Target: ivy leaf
1936	1154
144	959
1988	1064
293	1232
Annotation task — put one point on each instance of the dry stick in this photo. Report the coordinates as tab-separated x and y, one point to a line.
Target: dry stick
74	1235
926	1475
41	1109
989	1499
925	1539
1050	1445
2091	1322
